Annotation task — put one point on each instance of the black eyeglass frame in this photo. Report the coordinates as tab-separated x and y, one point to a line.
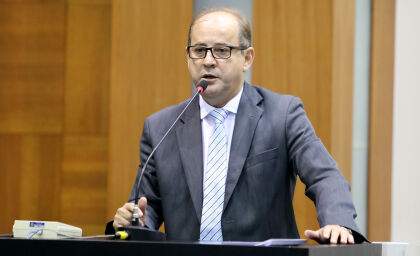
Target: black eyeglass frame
211	50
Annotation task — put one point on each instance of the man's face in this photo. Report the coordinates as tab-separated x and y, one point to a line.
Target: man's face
225	76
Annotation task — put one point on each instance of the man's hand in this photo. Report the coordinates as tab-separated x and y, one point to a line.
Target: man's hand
125	213
332	234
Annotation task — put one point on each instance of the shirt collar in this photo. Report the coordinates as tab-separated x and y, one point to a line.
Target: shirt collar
231	106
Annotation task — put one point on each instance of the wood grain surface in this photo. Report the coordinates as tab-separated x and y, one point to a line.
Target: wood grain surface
381	111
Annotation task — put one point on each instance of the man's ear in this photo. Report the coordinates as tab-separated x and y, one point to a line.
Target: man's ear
249	55
186	52
187	57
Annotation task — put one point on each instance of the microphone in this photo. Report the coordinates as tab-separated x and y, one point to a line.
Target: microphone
136	232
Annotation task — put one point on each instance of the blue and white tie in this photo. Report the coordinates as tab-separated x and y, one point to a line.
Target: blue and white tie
214	180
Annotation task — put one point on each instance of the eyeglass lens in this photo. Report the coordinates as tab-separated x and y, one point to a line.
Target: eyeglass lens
219	52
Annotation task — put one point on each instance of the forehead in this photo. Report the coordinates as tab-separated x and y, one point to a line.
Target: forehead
215	28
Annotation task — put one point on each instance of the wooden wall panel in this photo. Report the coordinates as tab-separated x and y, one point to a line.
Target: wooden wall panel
31	66
30	170
54	111
381	110
32	41
84	177
40	168
148	73
10	180
293	42
301	50
87	67
86	115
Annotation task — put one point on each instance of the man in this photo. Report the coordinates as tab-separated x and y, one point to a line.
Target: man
227	171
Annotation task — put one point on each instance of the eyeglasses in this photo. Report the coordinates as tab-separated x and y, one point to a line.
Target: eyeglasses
218	52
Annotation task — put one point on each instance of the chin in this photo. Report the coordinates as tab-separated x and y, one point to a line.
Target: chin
211	91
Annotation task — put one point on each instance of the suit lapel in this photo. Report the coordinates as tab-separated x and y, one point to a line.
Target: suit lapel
246	121
191	150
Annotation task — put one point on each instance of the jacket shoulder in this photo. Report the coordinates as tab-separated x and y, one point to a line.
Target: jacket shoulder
274	99
168	112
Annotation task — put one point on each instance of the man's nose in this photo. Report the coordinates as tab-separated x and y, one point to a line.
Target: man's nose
209	59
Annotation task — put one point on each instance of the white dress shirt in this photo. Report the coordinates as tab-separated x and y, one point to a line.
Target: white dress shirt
207	124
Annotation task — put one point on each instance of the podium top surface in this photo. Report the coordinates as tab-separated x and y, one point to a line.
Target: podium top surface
95	247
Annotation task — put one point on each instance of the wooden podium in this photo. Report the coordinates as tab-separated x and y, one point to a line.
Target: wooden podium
15	246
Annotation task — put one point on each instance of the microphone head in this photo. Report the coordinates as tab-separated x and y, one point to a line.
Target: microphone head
202	85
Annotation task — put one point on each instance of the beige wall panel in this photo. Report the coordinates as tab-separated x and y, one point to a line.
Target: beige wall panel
148	73
301	51
84	177
31	66
88	39
342	84
381	110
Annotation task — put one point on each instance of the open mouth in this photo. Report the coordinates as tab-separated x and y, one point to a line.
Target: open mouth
209	77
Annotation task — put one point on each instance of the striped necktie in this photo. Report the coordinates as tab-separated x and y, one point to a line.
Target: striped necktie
215	179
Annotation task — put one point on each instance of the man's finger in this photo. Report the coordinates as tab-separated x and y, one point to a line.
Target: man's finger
143	205
129	207
326	232
351	239
344	235
316	235
335	232
124	213
119	222
312	234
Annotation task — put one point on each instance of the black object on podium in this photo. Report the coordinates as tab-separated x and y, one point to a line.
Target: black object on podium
138	233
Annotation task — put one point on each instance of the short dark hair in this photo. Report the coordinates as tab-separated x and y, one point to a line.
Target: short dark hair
245	34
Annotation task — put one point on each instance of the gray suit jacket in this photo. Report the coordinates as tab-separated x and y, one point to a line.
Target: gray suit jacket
273	141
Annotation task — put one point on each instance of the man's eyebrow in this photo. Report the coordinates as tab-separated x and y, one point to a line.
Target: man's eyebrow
221	44
204	44
199	44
